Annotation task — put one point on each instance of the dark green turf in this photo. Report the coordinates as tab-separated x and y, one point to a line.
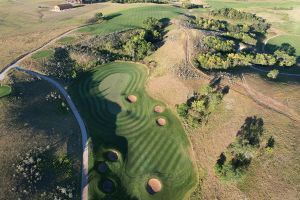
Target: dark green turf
146	149
5	90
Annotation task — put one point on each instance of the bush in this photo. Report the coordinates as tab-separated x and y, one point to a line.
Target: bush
271	142
273	74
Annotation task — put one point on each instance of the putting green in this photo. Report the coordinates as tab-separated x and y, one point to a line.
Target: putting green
146	150
5	90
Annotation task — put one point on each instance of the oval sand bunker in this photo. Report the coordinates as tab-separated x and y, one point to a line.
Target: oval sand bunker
112	156
161	121
154	186
158	109
132	98
107	186
102	167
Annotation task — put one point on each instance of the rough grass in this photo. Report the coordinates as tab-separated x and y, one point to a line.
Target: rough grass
132	18
42	54
5	90
294	40
66	40
146	149
24	26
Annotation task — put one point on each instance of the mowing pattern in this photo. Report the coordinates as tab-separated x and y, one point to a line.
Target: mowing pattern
149	149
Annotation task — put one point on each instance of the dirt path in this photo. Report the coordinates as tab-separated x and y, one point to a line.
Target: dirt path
259	98
270	102
18	60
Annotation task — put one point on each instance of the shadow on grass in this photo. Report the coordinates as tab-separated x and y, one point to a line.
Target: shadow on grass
44	124
100	116
111	16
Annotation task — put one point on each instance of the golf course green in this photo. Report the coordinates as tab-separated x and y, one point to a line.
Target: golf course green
5	90
132	18
129	147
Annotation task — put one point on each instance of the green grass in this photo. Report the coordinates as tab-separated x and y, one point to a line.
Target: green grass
66	40
132	18
216	4
5	90
146	149
294	40
42	54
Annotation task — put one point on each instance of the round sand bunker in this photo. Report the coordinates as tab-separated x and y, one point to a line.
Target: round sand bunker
102	167
161	121
132	98
107	186
112	156
154	186
158	109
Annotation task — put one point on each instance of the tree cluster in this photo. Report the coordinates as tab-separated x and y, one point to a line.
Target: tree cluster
234	162
200	105
139	1
218	45
242	37
258	24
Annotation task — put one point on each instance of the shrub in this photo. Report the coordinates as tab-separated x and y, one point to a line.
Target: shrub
270	142
273	74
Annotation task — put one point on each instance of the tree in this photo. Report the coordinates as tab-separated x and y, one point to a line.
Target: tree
271	142
264	59
98	16
285	59
137	47
153	29
273	74
251	131
287	48
241	160
221	160
216	44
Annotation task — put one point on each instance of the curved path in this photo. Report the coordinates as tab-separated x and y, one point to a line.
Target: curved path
259	98
84	178
13	64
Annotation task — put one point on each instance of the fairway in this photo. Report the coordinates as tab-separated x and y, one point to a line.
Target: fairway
132	18
294	40
144	149
5	90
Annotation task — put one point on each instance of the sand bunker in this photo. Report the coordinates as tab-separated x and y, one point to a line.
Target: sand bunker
154	186
158	109
102	167
107	186
112	155
132	98
161	121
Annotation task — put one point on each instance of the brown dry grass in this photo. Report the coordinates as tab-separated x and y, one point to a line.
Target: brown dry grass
24	26
272	175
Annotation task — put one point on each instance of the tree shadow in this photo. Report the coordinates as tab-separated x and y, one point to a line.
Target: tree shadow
100	116
111	16
43	124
